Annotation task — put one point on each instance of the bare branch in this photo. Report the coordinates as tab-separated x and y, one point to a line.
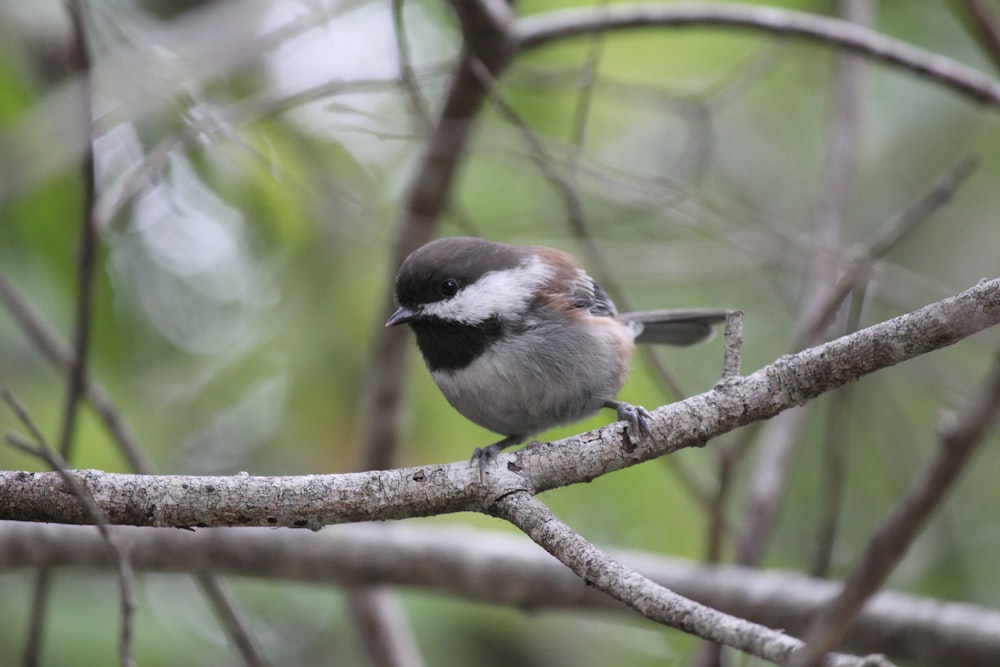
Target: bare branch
386	633
651	600
984	24
541	29
55	351
782	434
835	447
959	440
87	248
317	500
500	568
892	231
734	344
119	556
487	41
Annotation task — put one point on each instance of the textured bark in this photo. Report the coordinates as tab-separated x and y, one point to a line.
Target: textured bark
316	500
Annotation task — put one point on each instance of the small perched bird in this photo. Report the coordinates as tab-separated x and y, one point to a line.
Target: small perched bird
520	339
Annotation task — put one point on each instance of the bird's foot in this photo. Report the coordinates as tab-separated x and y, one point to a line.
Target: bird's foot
636	416
483	455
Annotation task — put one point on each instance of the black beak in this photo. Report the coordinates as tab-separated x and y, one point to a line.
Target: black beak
401	316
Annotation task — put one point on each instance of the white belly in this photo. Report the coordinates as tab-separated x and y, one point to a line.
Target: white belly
527	387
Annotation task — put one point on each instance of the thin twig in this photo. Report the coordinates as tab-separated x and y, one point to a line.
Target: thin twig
733	335
123	568
838	411
46	339
418	106
597	262
782	437
888	236
86	264
959	440
87	248
984	24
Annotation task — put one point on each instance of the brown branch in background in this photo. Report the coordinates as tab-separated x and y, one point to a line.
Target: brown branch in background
548	27
87	247
122	566
650	599
48	342
56	352
383	629
834	459
960	437
486	40
984	24
86	265
503	568
888	236
596	259
782	437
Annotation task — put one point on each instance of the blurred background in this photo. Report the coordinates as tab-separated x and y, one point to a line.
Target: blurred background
251	161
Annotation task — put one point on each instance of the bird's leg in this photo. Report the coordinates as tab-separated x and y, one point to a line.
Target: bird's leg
636	416
485	454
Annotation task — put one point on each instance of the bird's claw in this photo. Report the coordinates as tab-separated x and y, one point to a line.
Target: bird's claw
484	455
637	418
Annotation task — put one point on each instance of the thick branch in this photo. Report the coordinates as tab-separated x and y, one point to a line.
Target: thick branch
317	500
506	569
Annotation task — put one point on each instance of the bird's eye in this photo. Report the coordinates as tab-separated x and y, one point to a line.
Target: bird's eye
449	288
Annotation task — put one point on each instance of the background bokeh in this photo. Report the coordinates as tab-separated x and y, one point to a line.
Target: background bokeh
251	162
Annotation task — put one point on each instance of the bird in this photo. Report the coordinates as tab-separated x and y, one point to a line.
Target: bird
520	339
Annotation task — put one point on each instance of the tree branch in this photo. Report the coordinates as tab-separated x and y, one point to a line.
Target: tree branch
541	29
653	601
959	440
501	568
316	500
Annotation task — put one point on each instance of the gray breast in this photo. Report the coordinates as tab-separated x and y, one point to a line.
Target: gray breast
546	377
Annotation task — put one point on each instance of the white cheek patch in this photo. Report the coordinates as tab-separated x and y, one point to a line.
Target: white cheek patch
497	292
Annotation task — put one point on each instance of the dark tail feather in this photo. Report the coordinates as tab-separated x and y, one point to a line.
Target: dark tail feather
676	327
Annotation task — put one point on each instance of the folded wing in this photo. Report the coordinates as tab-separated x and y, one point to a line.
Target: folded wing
675	327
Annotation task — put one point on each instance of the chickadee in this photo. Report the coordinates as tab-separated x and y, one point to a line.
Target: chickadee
520	339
